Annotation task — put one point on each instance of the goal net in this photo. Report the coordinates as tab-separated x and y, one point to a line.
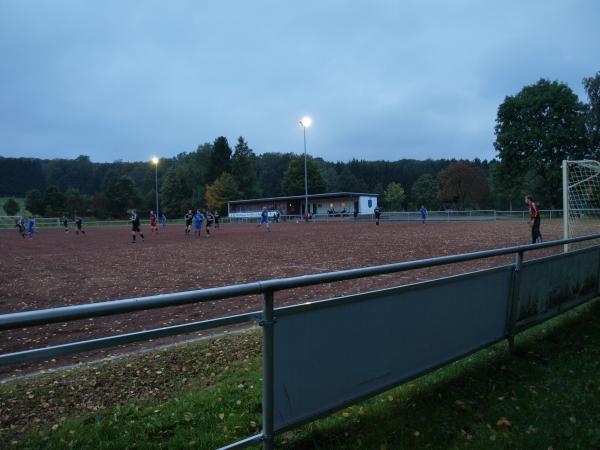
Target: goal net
581	198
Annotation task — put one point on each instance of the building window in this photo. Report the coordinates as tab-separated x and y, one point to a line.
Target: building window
343	204
370	203
331	205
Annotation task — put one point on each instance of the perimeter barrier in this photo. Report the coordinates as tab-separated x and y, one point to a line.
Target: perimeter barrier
322	356
7	222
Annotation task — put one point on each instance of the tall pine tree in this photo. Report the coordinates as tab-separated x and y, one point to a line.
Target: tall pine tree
243	169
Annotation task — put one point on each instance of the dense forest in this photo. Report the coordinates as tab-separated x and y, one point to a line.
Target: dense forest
535	130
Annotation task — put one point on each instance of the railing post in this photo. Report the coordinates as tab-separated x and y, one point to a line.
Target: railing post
514	301
267	324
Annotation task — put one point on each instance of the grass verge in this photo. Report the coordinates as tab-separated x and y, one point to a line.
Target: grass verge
546	395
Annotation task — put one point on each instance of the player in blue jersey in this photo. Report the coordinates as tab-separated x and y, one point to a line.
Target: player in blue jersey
135	226
31	227
163	220
198	218
264	219
423	213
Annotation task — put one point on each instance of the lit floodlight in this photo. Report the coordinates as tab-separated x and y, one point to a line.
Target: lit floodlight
306	122
155	160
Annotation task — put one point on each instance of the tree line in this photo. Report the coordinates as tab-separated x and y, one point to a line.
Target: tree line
535	130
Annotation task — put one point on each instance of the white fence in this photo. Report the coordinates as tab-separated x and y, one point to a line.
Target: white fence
435	216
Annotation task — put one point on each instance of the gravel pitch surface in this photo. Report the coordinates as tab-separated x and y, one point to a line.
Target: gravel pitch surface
57	269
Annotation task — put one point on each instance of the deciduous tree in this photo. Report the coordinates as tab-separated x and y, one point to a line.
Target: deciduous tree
11	207
462	185
425	191
394	196
538	128
220	192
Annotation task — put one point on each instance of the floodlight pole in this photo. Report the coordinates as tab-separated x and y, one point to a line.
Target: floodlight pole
305	174
156	188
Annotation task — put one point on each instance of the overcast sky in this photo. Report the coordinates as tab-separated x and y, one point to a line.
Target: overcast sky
381	79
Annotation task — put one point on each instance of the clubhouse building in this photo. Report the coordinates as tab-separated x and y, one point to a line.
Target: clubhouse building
336	203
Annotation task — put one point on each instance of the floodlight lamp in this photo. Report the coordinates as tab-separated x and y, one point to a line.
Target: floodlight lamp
155	160
306	122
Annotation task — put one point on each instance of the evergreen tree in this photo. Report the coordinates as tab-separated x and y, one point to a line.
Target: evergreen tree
243	168
293	179
220	159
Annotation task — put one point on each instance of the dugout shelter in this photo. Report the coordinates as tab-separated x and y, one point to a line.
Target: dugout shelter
332	203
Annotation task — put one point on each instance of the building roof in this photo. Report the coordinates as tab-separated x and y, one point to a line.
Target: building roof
310	196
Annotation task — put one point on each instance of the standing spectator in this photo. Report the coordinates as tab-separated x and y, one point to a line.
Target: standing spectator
164	220
135	226
79	226
65	222
534	220
377	213
423	214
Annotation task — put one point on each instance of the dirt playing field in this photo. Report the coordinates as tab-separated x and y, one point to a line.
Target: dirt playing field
57	269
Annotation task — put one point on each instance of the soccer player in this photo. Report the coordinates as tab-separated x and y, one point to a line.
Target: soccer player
423	214
65	222
198	218
210	219
21	226
135	226
79	226
217	218
164	220
188	222
31	227
153	224
377	213
264	219
534	220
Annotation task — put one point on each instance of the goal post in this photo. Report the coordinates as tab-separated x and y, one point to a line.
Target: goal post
581	198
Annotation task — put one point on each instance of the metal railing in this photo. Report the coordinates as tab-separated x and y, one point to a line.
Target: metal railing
265	318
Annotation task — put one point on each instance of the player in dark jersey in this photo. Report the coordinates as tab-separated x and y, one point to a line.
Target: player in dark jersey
377	213
65	222
210	220
534	220
135	226
217	219
79	226
20	224
188	222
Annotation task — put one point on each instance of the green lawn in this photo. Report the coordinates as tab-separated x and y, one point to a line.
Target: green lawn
546	395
